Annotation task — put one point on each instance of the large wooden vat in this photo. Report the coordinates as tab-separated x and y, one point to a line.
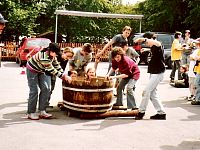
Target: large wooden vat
88	96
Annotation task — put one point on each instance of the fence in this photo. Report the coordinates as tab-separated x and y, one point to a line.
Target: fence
8	50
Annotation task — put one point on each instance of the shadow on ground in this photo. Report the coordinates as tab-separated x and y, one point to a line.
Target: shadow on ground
185	145
60	118
186	105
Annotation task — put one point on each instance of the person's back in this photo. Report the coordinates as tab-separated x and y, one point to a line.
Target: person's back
82	56
133	54
130	52
156	64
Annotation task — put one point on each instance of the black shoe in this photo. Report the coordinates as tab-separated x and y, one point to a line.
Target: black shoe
194	102
117	105
135	108
171	81
49	107
159	117
139	116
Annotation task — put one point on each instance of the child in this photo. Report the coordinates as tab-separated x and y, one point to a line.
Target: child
73	74
129	74
67	54
82	56
184	81
91	73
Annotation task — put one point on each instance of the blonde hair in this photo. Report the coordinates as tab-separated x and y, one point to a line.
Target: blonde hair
68	50
127	28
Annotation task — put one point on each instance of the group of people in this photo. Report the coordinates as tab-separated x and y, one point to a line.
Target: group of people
45	66
49	63
185	57
130	73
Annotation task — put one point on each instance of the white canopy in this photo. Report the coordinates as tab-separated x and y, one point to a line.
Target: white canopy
97	15
94	14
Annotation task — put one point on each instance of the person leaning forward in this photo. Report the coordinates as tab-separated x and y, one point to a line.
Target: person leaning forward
117	40
39	68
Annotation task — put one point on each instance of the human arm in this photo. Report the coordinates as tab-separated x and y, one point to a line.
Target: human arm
109	73
148	42
99	54
119	76
177	45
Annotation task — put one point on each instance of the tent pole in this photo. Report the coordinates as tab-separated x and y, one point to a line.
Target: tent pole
56	29
140	26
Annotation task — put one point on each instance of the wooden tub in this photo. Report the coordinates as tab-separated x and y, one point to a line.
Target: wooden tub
88	96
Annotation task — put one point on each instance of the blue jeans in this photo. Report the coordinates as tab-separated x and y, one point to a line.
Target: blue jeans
42	81
150	93
130	94
197	84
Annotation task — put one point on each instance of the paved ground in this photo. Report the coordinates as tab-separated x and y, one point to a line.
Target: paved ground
181	130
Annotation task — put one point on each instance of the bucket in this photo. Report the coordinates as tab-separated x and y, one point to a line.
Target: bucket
88	96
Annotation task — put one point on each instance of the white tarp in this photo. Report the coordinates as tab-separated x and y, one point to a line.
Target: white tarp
97	15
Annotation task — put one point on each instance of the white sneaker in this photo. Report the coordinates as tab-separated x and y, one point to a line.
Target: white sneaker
33	116
45	115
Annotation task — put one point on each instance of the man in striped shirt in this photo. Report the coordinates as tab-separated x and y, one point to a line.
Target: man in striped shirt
39	68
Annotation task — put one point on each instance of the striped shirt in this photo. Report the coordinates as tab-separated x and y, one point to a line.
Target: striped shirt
42	63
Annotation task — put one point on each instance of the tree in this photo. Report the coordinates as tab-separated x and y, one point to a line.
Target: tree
191	20
28	17
162	15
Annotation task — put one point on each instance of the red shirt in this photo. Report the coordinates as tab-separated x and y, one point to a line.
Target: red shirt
127	66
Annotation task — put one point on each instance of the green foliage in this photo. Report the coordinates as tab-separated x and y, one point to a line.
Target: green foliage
170	16
28	17
191	20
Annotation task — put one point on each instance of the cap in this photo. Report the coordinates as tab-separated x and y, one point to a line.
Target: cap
187	31
2	20
54	48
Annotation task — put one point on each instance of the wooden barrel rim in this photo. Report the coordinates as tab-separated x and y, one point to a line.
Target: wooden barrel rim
88	90
79	105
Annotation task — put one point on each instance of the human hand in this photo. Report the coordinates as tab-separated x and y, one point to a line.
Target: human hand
139	40
67	78
107	77
99	54
97	59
